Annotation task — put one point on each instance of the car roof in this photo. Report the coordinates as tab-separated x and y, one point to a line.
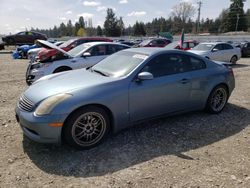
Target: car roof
214	43
151	51
100	42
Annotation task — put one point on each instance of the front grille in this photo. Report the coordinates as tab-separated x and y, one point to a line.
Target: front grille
25	104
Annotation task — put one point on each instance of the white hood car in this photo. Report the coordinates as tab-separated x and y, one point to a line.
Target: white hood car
218	51
33	52
82	56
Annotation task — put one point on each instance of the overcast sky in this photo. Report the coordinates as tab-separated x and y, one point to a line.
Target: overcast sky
17	15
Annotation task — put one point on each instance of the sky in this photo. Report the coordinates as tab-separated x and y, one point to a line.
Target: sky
19	15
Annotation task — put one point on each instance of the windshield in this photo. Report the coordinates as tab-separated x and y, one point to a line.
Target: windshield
203	47
119	64
172	45
145	42
67	43
79	49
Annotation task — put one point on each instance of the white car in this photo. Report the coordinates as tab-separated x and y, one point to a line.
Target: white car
33	52
82	56
218	51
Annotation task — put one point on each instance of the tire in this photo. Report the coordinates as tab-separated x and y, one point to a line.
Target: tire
62	69
217	99
86	128
233	60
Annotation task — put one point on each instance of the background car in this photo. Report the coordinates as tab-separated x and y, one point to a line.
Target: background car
158	42
83	106
46	54
22	51
218	51
245	50
32	53
24	37
187	45
84	55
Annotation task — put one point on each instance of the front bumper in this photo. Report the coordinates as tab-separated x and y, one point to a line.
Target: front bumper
38	129
33	75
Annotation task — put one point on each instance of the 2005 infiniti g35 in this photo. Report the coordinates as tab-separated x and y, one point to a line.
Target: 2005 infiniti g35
83	106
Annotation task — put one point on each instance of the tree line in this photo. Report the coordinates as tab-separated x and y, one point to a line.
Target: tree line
232	19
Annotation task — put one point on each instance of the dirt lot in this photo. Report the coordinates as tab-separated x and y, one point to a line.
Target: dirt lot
191	150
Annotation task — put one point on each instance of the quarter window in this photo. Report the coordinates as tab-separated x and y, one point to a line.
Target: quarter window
227	47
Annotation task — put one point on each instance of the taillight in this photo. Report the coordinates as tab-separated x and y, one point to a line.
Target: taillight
231	71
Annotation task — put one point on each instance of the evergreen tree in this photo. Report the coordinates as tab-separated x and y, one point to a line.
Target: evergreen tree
111	26
99	31
236	17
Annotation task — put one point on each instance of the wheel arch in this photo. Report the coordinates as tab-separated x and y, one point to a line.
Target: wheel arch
107	110
62	67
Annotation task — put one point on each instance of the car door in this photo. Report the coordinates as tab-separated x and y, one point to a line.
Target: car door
97	53
217	53
229	52
167	92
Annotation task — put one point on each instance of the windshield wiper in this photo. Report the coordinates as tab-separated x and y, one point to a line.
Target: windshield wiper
99	72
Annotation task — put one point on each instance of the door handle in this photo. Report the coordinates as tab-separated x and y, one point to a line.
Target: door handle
184	81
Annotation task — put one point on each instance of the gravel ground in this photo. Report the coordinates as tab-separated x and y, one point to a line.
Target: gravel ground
190	150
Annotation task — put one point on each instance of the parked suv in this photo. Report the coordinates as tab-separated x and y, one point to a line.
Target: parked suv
24	37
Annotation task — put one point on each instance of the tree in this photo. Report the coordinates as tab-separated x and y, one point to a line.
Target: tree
248	19
236	17
69	28
81	22
139	29
99	31
111	26
184	11
121	26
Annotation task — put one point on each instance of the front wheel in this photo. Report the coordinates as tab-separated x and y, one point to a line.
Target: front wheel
86	128
217	99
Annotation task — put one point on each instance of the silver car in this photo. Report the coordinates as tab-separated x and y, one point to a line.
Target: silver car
218	51
83	106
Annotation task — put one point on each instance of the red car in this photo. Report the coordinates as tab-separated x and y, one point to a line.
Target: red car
159	42
46	53
187	45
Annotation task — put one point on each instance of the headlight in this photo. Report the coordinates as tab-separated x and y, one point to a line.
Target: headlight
48	104
39	65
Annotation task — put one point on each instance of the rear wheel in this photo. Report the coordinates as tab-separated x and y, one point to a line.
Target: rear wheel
86	127
234	60
217	99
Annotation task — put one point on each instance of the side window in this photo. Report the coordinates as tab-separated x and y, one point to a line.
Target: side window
185	45
160	42
167	64
196	64
80	42
98	50
153	42
115	48
21	33
248	45
191	45
227	46
218	47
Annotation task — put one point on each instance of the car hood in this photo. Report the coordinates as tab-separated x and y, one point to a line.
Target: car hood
65	82
198	52
47	44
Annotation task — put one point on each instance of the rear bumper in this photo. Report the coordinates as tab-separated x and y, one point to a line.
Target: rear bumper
38	129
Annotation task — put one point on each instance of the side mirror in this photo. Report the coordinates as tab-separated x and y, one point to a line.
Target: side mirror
215	50
145	76
86	54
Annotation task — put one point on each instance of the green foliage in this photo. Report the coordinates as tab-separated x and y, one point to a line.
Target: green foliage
236	20
111	24
139	29
99	31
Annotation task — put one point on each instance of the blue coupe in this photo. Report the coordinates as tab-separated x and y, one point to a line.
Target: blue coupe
83	106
